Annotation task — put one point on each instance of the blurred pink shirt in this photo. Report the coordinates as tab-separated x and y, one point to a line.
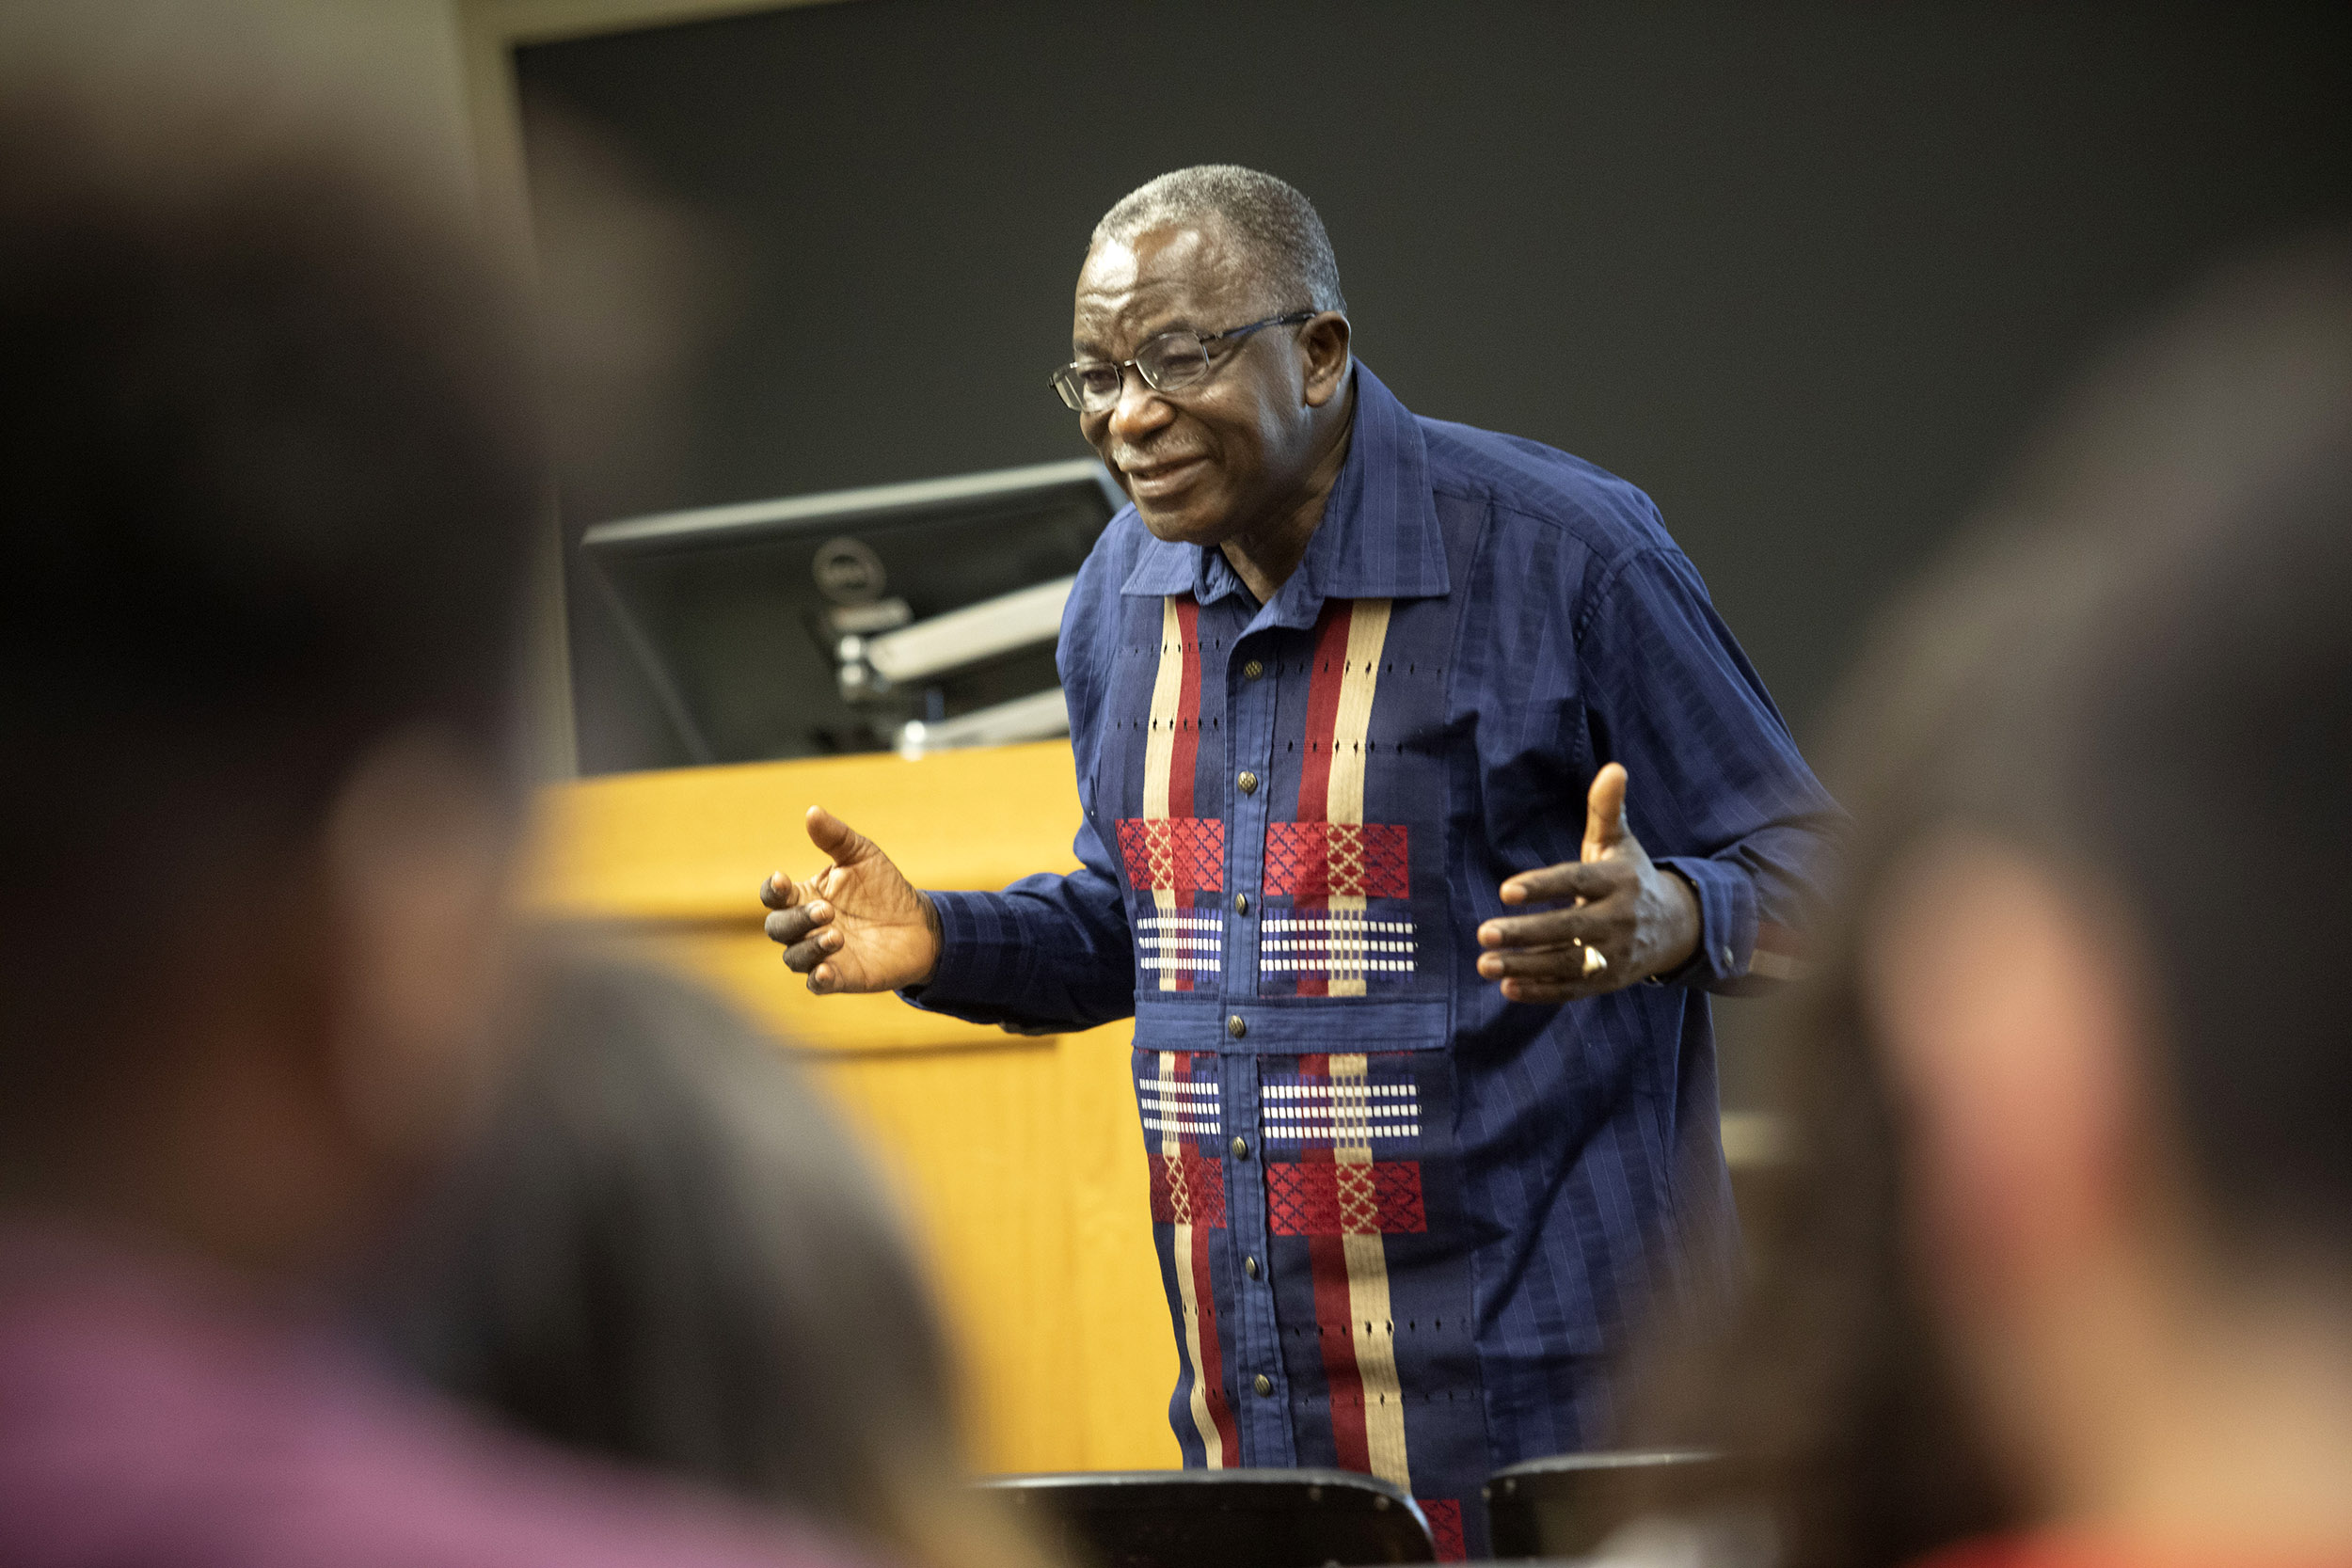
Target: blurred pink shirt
149	1415
2052	1550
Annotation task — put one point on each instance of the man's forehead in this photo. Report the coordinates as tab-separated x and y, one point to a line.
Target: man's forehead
1149	279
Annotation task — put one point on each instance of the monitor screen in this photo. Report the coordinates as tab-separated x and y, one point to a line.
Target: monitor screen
899	617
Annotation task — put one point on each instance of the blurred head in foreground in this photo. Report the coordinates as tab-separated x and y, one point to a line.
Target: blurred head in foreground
269	473
2073	1248
268	482
663	1250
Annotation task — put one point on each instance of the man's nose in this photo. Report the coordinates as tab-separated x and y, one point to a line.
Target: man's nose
1139	410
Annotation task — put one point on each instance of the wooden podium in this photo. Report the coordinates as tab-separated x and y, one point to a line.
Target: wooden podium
1018	1161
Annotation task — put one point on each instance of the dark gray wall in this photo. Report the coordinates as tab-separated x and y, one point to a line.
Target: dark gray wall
1802	273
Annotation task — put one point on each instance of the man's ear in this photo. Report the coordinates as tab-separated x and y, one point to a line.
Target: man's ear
420	859
1324	348
2002	996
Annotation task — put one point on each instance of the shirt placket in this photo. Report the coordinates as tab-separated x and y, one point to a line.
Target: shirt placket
1262	1394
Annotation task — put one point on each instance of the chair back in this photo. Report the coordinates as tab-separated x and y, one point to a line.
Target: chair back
1221	1518
1568	1505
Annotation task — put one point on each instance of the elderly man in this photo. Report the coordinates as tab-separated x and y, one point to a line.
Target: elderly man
1349	688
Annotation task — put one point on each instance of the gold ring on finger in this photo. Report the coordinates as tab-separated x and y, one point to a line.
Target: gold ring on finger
1596	961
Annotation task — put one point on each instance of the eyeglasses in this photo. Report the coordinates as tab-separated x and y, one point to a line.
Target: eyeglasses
1169	362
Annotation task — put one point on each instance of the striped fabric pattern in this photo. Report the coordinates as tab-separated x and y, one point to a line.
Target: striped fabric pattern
1167	784
1189	1109
1189	1191
1317	943
1290	1112
1355	1294
1187	943
1346	674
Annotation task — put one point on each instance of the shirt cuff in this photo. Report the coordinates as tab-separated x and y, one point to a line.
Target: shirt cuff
981	956
1726	922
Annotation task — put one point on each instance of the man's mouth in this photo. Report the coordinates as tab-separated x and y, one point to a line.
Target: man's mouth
1158	480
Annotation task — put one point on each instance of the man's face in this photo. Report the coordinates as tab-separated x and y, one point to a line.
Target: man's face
1219	457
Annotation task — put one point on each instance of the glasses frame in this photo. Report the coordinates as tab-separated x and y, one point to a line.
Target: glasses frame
1065	379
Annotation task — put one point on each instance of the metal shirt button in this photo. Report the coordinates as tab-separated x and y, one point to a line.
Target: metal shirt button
1241	903
1237	1026
1252	669
1241	1149
1249	1267
1248	783
1265	1386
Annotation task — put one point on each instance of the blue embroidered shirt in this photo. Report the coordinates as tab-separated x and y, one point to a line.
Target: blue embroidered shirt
1402	1221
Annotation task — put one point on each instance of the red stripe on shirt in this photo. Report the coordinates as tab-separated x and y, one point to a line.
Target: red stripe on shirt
1185	757
1335	1313
1184	753
1324	679
1210	1370
1325	676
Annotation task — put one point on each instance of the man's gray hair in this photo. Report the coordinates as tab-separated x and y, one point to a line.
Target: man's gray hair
1288	250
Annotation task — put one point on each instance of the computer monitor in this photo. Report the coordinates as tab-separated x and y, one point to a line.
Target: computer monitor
904	617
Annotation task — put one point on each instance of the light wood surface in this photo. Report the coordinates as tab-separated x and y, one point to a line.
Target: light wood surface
1018	1161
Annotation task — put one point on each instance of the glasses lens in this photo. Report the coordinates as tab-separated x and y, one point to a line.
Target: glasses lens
1092	386
1173	359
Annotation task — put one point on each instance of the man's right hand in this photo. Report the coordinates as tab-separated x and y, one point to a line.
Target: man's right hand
856	925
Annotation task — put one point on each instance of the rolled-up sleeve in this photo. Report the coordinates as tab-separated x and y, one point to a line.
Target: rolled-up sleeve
1717	791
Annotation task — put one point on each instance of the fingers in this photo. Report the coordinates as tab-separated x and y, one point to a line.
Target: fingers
1542	958
1595	925
836	838
805	931
798	923
1590	880
809	958
1552	946
1564	964
1546	974
806	953
1604	811
778	892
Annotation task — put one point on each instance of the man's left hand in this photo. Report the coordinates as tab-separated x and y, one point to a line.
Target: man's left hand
1643	921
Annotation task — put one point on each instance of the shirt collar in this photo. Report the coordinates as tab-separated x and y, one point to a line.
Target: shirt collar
1378	539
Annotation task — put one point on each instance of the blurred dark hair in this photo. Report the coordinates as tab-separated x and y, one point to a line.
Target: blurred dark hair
2140	672
270	472
664	1251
